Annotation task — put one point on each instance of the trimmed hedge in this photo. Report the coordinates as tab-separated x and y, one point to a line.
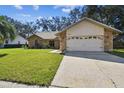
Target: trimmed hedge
118	45
14	45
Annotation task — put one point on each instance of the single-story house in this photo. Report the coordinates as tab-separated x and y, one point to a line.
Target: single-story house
18	41
43	40
87	35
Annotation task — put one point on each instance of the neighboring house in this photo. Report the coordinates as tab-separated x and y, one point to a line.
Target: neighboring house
43	40
87	35
19	40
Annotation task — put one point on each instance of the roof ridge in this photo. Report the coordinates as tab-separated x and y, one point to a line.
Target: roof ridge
92	20
48	32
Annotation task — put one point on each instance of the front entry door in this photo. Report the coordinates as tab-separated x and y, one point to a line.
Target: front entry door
51	43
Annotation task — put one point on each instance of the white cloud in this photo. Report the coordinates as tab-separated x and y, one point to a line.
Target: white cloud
47	17
18	7
26	15
39	17
65	8
57	6
50	17
35	7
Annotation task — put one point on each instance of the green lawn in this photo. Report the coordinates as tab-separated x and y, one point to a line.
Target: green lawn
29	66
118	52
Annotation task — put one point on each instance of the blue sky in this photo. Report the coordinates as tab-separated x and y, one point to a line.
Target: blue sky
31	12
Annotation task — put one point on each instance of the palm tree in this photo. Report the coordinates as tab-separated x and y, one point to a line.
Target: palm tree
7	31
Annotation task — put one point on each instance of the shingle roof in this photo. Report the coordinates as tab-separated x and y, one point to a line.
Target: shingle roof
93	21
47	35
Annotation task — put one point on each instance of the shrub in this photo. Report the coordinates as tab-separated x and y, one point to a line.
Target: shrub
118	44
13	46
25	46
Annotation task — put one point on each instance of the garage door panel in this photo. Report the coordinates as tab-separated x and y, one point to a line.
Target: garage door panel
85	45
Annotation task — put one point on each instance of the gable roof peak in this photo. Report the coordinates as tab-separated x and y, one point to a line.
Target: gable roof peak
95	22
46	35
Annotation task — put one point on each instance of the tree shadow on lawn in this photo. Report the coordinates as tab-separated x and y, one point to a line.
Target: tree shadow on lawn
3	55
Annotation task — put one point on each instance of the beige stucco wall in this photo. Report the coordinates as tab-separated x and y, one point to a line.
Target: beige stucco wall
85	28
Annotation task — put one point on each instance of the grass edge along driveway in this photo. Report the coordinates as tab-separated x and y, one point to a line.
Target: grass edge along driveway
29	66
118	52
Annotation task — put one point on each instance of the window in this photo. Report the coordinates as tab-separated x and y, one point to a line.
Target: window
72	37
94	37
51	43
86	38
81	38
18	42
90	37
6	41
77	37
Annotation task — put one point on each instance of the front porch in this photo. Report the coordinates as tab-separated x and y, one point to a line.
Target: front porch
37	42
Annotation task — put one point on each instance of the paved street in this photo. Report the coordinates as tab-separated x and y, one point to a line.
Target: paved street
5	84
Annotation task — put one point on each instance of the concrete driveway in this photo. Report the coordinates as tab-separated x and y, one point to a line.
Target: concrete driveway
90	70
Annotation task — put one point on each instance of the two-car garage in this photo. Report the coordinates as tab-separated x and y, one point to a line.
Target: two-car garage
85	43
